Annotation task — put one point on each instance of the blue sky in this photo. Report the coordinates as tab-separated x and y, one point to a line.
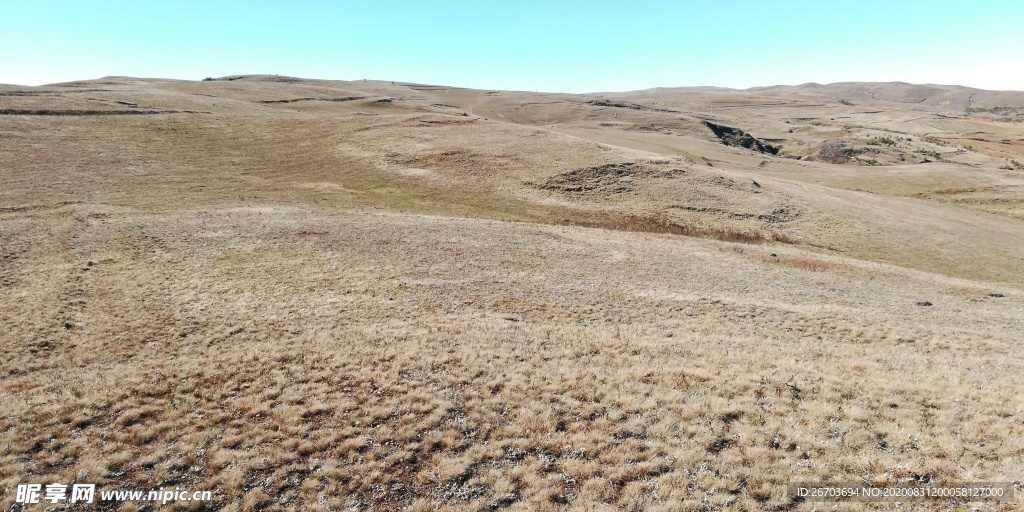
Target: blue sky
546	46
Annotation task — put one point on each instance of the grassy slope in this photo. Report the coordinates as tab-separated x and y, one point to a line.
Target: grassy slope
326	304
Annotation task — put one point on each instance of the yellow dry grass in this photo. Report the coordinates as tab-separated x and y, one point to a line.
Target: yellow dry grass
391	306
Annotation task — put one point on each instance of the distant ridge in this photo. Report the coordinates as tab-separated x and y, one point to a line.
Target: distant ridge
946	97
951	97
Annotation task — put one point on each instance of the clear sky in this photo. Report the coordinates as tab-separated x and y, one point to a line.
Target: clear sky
547	46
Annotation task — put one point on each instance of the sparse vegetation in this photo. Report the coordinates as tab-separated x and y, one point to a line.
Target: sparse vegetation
992	110
602	385
882	141
934	140
341	303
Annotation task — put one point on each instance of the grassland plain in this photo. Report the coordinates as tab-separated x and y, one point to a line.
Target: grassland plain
334	295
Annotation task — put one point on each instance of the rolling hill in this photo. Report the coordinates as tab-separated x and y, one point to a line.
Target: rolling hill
369	294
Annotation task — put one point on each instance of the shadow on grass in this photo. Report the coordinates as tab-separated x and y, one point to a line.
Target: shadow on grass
660	225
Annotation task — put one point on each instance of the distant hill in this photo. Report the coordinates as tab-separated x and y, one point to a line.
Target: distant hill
954	97
949	97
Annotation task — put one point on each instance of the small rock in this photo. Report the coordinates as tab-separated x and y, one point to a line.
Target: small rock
924	303
996	295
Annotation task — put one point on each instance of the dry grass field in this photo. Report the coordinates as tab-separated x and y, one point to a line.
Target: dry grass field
317	295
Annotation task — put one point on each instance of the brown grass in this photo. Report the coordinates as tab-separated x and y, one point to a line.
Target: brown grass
665	226
324	309
803	263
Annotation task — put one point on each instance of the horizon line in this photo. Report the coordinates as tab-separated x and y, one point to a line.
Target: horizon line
237	76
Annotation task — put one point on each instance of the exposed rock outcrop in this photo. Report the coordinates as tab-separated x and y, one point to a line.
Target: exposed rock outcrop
738	138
